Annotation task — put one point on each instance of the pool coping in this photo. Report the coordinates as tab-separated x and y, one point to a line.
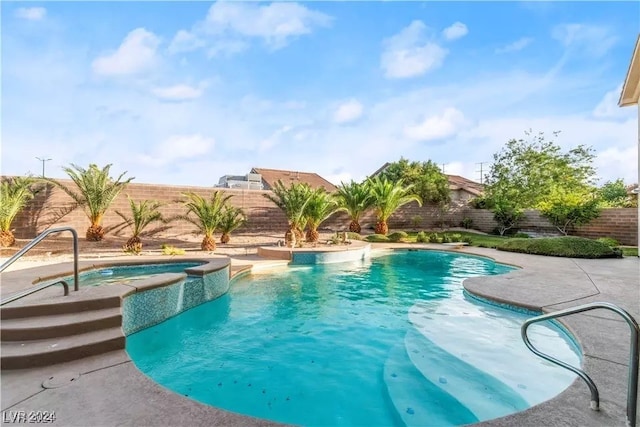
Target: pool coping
112	391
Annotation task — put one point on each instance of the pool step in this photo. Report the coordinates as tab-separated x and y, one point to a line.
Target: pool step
33	353
59	325
90	298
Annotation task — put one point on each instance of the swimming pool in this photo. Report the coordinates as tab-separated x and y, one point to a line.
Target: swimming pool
127	273
389	341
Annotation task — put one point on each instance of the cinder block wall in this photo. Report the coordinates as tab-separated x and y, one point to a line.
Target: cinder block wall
53	207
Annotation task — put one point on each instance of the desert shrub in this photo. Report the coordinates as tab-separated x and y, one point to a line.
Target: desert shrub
446	238
567	246
398	236
354	236
466	223
172	250
612	243
377	238
433	238
422	237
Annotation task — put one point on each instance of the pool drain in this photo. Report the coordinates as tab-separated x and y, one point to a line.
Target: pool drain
60	379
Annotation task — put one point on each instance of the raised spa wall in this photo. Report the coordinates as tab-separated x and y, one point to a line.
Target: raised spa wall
170	294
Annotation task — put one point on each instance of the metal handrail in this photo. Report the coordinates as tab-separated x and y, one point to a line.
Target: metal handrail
30	291
41	237
632	389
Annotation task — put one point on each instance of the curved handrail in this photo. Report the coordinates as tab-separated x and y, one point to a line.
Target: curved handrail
632	389
30	291
41	237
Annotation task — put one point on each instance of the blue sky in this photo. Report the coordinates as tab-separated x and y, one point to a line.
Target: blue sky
185	92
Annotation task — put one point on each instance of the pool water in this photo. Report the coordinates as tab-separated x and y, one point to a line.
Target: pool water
128	273
389	341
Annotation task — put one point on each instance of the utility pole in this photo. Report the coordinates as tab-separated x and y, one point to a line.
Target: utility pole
43	162
481	171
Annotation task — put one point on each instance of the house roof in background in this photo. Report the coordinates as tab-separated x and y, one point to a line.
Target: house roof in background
456	182
271	176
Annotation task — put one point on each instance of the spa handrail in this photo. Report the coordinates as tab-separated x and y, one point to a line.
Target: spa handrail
41	237
632	385
30	291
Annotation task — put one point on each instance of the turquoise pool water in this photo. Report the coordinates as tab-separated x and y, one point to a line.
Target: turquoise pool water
128	273
389	341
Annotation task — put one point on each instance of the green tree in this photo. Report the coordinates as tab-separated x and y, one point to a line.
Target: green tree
569	208
427	179
388	196
206	215
232	219
524	171
321	205
96	191
355	199
15	193
614	194
292	200
143	214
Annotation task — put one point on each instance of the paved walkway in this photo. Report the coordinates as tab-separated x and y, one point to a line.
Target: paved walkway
111	391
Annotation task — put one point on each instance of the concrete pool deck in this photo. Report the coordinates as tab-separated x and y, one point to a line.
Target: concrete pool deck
109	389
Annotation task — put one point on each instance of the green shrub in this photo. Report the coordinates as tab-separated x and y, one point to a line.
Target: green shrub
467	239
521	235
398	236
439	239
467	223
456	237
433	238
422	237
612	243
446	238
172	250
354	236
416	221
377	238
574	247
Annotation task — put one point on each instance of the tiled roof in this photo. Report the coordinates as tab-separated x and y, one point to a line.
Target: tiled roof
271	176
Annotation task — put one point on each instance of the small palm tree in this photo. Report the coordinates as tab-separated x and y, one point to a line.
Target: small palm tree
387	197
15	193
143	214
355	199
207	215
292	201
97	190
321	206
232	219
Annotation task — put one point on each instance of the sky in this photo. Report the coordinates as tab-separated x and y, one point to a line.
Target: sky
184	92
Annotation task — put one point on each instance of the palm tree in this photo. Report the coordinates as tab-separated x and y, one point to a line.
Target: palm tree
143	214
387	197
321	206
207	215
355	199
232	218
292	201
97	190
14	194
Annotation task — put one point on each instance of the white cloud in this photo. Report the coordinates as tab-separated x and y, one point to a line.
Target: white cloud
185	41
618	162
410	54
436	127
226	47
137	53
348	111
179	147
275	23
455	31
608	107
273	139
31	13
516	46
179	92
338	178
589	40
